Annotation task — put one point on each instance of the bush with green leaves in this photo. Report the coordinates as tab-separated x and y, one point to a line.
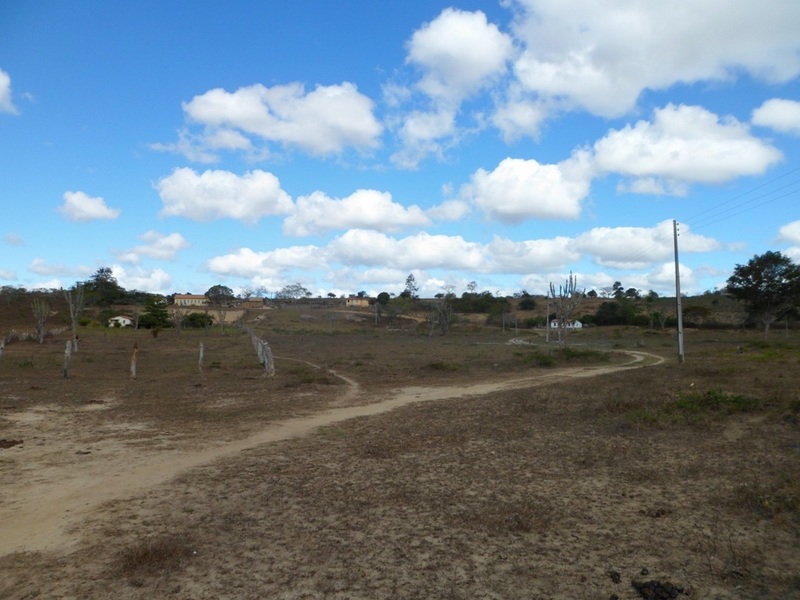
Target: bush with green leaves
197	320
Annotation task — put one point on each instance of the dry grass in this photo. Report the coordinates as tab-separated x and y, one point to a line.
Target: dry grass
690	472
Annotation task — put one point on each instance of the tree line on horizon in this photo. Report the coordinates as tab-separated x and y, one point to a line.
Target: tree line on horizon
767	287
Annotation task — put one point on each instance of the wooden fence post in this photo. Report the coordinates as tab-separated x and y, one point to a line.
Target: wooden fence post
67	357
134	356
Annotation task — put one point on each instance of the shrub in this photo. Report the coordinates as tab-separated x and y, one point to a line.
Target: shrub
443	366
714	401
197	320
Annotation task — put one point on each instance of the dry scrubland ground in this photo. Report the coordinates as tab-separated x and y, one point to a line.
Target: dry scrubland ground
688	475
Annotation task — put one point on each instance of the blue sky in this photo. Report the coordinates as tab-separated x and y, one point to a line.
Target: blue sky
343	145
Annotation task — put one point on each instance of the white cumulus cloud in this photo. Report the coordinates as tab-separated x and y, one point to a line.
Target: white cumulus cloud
458	52
217	194
780	115
424	133
508	256
41	267
519	189
662	277
683	144
638	247
420	251
81	207
790	232
156	246
364	209
156	281
322	122
6	104
519	116
600	55
267	265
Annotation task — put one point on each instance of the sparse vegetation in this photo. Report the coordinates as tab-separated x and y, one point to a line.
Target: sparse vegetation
684	470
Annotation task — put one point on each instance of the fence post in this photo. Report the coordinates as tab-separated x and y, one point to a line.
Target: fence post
134	356
67	357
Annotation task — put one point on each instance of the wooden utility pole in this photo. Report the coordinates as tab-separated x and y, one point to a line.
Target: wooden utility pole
678	309
547	322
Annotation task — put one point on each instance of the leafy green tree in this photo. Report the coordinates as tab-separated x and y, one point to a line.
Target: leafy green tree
483	302
383	298
768	286
412	289
293	291
219	295
619	312
102	288
696	313
156	314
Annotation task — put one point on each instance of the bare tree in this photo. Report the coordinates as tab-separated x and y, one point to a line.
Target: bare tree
565	303
441	314
74	298
41	310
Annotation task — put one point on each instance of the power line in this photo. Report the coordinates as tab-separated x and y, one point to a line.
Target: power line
726	210
721	211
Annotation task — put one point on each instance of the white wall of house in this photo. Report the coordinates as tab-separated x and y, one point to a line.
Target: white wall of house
568	325
120	321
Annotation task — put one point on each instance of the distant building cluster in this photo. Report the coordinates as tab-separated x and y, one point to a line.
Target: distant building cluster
190	299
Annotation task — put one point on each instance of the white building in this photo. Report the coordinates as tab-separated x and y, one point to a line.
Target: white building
120	321
190	300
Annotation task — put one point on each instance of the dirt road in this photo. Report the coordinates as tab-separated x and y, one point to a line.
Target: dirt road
59	483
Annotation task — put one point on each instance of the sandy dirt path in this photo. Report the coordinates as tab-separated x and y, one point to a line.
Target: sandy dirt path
42	514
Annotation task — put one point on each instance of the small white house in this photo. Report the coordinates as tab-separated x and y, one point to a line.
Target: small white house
120	321
567	325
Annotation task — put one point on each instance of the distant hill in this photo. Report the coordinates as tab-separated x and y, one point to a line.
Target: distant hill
16	312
